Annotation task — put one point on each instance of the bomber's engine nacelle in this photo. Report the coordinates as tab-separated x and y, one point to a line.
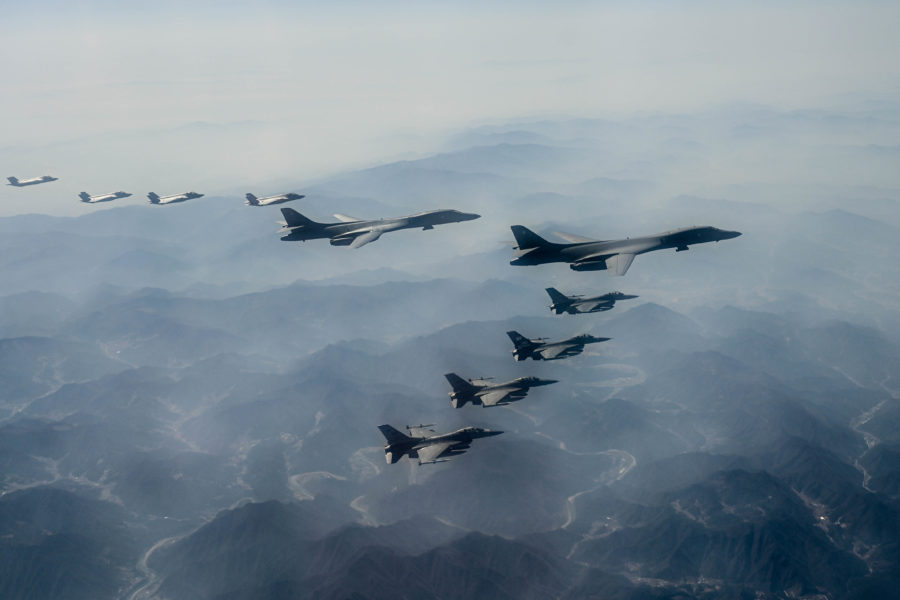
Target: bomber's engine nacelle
599	265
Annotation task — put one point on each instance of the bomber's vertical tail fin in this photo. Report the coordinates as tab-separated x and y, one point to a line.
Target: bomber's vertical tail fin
13	180
392	435
294	219
154	197
85	197
252	200
526	238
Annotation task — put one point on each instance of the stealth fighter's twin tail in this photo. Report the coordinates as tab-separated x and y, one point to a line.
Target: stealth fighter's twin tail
423	445
269	200
85	197
356	233
485	393
16	182
615	256
155	198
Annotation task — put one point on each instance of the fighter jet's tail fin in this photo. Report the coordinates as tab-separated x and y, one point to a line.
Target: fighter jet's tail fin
459	384
252	200
557	296
518	340
294	219
85	197
392	435
154	197
526	238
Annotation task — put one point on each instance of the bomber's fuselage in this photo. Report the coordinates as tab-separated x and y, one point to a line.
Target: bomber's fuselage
340	232
679	239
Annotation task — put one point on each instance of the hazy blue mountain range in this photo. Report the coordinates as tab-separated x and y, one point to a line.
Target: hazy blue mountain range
188	405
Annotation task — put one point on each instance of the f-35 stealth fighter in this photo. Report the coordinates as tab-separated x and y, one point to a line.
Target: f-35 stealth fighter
485	393
85	197
429	448
541	349
615	256
356	233
157	199
268	200
16	182
575	305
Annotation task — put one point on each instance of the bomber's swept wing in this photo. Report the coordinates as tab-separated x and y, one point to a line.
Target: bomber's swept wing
495	398
551	352
616	264
573	239
430	454
345	218
619	263
363	239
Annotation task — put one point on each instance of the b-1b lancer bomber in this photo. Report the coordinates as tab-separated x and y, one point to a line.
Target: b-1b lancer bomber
16	182
541	349
577	305
269	200
356	233
485	393
85	197
157	199
429	448
615	256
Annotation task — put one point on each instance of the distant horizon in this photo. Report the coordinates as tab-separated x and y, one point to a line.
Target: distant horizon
267	95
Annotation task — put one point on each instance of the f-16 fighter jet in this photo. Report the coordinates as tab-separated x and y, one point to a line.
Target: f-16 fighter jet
485	393
15	181
540	349
356	233
615	256
254	201
157	199
422	444
85	197
577	304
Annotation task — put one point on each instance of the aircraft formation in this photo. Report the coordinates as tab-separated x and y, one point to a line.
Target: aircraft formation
582	254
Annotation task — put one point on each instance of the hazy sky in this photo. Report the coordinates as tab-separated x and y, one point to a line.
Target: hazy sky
228	96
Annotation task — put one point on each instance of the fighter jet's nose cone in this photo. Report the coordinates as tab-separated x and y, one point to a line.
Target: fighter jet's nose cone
727	235
470	216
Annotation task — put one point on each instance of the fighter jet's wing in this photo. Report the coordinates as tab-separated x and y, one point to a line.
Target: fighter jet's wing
574	239
551	352
618	264
345	218
495	398
591	306
430	454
